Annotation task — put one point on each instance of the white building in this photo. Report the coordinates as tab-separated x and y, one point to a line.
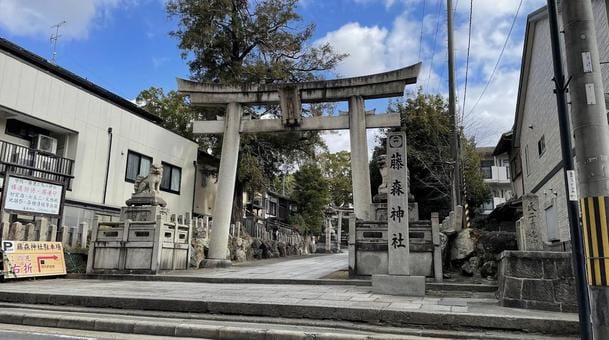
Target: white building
99	138
495	168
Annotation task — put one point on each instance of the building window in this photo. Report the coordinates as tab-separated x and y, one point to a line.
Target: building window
272	209
137	165
23	130
541	146
486	168
516	166
172	178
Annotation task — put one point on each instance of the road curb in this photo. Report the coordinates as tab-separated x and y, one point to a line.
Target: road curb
219	280
165	328
438	320
431	286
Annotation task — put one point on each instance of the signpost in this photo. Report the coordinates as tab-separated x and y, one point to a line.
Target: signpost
397	204
31	258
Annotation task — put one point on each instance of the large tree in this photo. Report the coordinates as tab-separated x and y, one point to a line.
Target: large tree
251	41
336	169
312	196
426	121
265	41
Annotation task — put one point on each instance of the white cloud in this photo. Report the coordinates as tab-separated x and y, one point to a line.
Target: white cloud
380	48
340	140
35	17
374	49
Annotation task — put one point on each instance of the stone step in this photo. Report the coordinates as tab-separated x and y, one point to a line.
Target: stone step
341	303
227	327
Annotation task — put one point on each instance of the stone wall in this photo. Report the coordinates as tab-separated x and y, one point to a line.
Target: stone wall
537	280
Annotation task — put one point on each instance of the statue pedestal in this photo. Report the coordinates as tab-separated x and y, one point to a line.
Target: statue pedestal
408	285
146	198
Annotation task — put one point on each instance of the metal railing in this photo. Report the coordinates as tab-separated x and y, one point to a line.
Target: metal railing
31	162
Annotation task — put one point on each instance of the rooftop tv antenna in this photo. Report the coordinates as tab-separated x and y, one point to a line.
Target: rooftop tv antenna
54	37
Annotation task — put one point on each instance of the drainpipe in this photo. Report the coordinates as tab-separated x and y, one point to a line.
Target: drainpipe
107	164
194	188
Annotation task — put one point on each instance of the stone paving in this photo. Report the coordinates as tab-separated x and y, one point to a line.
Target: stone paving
293	295
328	301
307	268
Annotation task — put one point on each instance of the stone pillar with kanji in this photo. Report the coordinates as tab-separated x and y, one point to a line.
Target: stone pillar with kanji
397	204
398	280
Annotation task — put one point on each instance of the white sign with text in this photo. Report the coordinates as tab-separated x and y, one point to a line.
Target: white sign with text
32	196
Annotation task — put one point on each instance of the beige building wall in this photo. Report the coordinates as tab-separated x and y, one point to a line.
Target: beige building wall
26	91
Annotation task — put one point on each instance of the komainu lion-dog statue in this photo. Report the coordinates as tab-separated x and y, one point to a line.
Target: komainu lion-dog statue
150	183
147	188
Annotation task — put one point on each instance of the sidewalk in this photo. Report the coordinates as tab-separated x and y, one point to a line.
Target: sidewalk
344	303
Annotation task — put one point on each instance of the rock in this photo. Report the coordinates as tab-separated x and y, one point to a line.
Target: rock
281	248
489	270
470	267
257	248
266	250
274	249
464	244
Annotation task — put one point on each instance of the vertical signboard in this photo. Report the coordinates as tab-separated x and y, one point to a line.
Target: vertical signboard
397	204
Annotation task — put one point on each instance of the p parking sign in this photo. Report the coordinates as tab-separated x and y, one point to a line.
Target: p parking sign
32	259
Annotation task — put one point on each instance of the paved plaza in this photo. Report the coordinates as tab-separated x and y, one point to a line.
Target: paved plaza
297	268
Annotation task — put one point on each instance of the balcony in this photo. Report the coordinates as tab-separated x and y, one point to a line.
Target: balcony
25	161
496	174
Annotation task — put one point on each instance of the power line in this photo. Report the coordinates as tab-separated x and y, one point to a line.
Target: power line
469	45
507	39
422	24
435	40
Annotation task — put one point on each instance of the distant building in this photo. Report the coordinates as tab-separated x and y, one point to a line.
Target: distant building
271	206
495	168
57	125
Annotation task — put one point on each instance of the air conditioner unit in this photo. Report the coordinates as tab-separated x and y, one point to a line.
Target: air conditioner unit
45	144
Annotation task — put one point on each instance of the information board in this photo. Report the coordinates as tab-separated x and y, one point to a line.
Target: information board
31	258
32	196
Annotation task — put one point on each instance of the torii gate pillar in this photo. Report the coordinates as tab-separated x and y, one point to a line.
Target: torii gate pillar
360	173
218	244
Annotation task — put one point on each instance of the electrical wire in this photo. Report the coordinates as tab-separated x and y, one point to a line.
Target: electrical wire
507	39
422	24
435	40
469	45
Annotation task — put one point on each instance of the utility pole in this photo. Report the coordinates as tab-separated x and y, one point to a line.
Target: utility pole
452	108
54	37
577	255
591	132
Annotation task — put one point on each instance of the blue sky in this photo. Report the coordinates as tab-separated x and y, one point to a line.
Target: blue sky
124	46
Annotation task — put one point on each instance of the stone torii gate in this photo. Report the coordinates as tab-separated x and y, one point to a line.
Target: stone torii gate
290	97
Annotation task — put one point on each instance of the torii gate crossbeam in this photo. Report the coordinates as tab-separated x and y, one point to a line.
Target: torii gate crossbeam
354	90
